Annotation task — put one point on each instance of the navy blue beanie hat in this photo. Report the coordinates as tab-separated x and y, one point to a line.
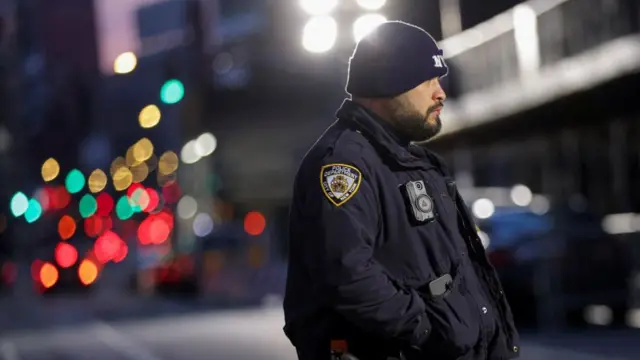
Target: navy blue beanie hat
393	59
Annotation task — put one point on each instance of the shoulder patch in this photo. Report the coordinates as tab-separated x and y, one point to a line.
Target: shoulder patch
340	182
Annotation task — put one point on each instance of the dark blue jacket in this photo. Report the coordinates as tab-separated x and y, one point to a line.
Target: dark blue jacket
360	263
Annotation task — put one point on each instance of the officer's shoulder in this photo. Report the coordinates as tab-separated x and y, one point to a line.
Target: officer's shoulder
339	145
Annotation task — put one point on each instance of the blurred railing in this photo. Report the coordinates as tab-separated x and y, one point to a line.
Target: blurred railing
535	34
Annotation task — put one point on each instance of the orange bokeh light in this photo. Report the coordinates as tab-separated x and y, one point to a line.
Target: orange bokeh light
87	272
48	275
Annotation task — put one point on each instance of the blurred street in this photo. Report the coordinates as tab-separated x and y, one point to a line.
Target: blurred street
174	330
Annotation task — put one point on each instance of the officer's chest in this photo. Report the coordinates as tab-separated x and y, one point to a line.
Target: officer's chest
420	223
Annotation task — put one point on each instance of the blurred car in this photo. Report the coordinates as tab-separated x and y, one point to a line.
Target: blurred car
562	258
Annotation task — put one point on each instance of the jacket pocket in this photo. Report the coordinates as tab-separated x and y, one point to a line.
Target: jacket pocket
455	328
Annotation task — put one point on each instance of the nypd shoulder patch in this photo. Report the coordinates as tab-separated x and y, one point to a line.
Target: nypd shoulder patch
340	182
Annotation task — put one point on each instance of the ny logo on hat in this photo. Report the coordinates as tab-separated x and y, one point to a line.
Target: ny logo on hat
438	61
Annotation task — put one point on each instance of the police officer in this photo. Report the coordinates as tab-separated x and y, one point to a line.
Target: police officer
385	261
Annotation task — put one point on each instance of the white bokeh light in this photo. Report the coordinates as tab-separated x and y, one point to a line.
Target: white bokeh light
521	195
206	144
319	34
189	153
187	207
202	225
365	24
483	208
125	63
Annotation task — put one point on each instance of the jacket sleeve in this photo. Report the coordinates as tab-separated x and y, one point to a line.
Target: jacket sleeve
339	254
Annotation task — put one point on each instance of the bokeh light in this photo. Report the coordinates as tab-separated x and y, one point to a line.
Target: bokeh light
142	150
97	181
87	272
48	275
66	255
59	198
105	204
124	210
206	144
50	169
168	163
189	153
366	24
139	172
122	252
116	164
34	211
75	181
320	34
154	200
155	229
202	225
87	206
171	192
187	207
66	227
95	225
122	178
172	91
43	196
125	63
254	223
106	246
152	162
149	116
19	204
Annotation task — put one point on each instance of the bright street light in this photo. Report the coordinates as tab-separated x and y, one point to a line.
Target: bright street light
365	24
319	34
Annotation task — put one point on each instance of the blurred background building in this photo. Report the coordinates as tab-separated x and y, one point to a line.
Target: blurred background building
148	147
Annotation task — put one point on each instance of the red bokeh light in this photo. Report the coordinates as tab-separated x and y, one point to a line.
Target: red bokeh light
155	229
254	223
106	246
59	198
44	195
66	255
95	225
171	192
132	189
66	227
105	204
122	252
154	200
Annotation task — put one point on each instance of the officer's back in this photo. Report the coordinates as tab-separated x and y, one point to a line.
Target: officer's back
384	260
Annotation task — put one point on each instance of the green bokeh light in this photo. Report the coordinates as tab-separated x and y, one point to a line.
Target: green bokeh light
75	181
19	204
87	206
123	208
172	91
34	211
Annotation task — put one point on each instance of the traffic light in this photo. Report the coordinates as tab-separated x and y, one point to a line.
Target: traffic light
172	91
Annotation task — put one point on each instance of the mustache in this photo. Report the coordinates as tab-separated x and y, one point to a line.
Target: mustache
435	107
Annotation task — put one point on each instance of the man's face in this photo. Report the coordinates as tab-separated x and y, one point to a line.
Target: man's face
416	113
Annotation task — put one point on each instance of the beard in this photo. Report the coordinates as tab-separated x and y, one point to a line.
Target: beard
413	124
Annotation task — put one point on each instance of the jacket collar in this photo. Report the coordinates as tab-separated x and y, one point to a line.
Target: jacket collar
383	137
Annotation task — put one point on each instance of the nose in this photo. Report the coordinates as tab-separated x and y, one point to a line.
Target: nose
439	95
